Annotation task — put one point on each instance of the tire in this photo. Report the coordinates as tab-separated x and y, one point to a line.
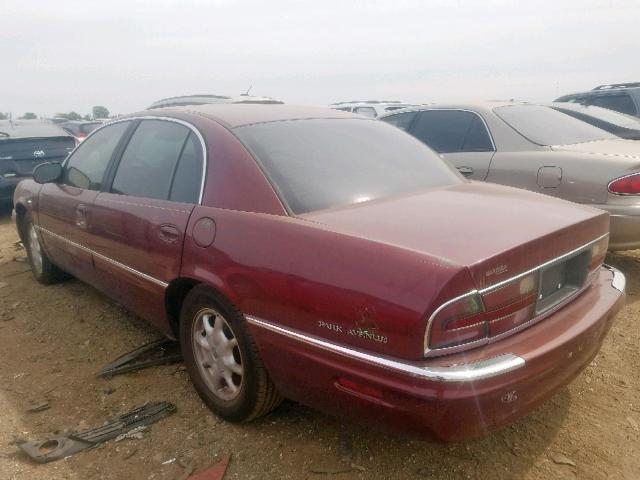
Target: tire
43	270
222	359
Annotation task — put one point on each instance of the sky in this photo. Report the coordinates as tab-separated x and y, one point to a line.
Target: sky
62	55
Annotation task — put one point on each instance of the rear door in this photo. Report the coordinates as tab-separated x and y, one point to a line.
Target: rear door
140	221
64	208
460	136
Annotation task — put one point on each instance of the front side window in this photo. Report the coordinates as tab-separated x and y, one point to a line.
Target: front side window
620	103
400	120
86	167
546	126
148	163
326	163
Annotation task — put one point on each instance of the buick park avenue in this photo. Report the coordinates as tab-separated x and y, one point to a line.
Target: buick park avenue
331	259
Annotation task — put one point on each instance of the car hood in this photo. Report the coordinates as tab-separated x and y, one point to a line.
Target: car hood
495	231
615	147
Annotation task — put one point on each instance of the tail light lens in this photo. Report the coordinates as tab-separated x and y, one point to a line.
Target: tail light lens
475	317
478	316
627	185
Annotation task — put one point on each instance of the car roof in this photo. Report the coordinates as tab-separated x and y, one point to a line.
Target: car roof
480	106
30	128
237	114
205	99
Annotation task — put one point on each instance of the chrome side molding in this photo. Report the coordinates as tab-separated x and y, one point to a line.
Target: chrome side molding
122	266
467	372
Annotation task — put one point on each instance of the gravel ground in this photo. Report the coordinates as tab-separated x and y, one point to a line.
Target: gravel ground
55	339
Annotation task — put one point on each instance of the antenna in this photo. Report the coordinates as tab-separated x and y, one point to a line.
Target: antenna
246	94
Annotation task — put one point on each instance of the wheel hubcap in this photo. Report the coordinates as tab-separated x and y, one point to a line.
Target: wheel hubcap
35	250
217	354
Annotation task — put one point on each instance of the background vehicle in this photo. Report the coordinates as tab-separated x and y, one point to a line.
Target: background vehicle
24	144
369	108
621	125
211	99
538	148
293	257
80	129
621	97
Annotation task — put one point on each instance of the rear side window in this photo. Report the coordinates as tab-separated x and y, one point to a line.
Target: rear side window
86	167
451	131
620	103
148	163
477	139
400	120
186	181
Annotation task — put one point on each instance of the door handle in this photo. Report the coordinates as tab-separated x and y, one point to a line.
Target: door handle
466	171
82	212
168	233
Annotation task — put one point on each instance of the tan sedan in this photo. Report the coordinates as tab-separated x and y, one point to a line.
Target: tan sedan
538	148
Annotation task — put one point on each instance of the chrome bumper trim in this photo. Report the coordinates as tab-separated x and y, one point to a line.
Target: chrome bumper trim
468	372
619	281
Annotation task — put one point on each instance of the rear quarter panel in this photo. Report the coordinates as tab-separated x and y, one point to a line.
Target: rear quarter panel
585	176
293	273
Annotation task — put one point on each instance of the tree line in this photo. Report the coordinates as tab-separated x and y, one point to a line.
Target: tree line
96	112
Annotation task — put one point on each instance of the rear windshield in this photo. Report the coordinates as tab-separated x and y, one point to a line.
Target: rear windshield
546	126
325	163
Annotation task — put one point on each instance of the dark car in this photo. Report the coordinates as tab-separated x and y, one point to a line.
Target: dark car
80	129
621	97
331	259
24	144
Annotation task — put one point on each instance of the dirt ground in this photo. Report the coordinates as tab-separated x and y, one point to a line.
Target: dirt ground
55	339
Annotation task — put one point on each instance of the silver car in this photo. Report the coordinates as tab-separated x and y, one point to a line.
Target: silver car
539	148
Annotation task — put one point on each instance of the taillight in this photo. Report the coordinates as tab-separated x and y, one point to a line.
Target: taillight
481	315
627	185
475	317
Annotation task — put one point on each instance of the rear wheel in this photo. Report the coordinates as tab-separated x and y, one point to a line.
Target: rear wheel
43	270
222	359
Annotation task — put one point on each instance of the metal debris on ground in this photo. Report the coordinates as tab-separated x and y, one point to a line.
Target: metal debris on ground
63	446
135	434
213	473
159	352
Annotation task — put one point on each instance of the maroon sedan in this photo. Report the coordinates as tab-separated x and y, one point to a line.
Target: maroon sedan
331	259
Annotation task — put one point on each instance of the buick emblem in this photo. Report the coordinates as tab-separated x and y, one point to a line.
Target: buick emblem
38	153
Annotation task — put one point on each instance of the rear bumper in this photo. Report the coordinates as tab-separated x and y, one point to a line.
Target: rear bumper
450	398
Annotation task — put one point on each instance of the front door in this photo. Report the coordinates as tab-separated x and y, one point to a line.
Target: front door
139	223
64	208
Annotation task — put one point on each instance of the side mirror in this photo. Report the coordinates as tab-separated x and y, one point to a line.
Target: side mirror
47	172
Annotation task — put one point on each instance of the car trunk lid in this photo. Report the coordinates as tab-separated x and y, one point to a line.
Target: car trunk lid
496	232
